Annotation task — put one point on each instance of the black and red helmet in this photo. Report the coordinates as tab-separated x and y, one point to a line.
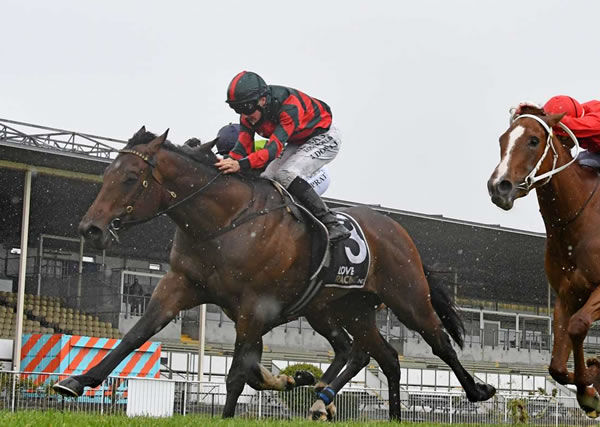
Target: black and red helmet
245	90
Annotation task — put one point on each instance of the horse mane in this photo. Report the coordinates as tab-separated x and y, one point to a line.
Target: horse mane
535	111
199	154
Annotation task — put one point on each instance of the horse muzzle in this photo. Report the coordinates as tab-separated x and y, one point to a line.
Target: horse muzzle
503	193
99	237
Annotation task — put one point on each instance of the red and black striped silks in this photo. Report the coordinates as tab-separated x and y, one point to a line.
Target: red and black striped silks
290	117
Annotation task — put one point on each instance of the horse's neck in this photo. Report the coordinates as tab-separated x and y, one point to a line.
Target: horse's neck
213	206
562	199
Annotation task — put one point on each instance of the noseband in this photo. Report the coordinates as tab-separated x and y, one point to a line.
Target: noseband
117	223
531	179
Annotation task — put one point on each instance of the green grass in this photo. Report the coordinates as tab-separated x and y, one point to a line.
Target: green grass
56	419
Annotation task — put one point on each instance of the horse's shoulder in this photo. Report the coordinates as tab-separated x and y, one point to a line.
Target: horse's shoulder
587	174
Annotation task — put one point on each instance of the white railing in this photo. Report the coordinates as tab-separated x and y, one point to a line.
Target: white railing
160	397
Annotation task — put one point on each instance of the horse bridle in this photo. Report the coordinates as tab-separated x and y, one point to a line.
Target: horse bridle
531	178
117	223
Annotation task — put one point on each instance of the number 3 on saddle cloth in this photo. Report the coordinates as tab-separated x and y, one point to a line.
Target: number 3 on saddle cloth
344	264
348	263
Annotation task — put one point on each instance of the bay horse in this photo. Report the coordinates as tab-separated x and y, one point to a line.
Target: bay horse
534	157
236	247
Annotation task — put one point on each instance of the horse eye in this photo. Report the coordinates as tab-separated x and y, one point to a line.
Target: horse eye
533	141
130	180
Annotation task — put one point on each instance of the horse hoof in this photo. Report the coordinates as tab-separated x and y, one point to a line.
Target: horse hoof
331	411
68	387
592	361
318	416
489	392
304	378
317	411
589	401
482	393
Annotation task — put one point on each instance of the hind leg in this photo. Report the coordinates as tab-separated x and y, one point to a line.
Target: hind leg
322	408
370	340
418	314
367	342
399	281
387	357
326	324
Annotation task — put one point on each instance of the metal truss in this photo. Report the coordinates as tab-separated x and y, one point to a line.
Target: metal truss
58	139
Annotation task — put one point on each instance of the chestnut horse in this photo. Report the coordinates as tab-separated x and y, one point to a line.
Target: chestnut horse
532	156
235	246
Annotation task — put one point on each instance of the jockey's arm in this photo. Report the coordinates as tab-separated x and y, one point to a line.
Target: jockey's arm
583	127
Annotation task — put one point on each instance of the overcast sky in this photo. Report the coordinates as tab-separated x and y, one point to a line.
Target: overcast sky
419	89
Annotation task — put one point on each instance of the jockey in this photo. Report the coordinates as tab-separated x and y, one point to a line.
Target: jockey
582	119
584	122
301	140
228	135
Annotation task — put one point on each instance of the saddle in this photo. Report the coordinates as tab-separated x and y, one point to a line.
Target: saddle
589	159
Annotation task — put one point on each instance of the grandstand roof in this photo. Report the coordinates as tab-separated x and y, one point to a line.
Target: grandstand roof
485	260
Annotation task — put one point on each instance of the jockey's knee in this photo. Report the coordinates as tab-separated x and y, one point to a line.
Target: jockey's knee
285	177
578	326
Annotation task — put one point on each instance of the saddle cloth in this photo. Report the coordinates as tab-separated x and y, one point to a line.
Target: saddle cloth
349	259
345	265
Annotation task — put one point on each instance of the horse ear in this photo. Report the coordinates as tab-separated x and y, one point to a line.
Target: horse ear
553	119
155	144
140	132
209	145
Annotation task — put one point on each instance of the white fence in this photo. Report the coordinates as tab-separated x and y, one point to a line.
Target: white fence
136	396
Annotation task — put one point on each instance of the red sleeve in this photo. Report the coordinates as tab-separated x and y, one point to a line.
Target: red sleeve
274	145
245	143
584	127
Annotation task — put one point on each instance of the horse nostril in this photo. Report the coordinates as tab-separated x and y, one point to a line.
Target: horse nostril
504	187
90	232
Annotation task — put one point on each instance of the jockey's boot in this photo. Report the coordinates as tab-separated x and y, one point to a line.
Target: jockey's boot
304	193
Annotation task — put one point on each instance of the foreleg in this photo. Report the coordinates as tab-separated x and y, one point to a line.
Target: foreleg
172	294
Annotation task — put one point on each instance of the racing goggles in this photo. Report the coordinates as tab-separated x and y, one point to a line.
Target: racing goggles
246	108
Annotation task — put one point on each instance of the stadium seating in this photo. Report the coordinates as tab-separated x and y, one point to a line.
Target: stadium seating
47	315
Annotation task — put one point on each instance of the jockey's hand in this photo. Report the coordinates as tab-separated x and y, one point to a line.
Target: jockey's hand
228	165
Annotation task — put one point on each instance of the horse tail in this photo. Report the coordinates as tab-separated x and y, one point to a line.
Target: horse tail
445	308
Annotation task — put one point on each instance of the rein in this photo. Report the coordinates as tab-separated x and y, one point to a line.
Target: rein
574	217
117	224
235	223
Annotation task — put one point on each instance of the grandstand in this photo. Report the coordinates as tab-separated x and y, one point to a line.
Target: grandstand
73	289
